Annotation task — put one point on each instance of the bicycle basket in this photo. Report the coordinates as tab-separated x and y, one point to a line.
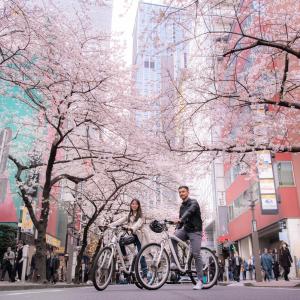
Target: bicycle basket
157	227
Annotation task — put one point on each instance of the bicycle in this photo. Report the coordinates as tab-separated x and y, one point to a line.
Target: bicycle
158	260
106	261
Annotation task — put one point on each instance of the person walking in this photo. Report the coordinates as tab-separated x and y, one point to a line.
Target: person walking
250	268
267	263
237	264
189	227
285	259
221	265
230	269
8	264
19	260
52	267
245	269
275	256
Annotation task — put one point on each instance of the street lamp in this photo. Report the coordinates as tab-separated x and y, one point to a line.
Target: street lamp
255	241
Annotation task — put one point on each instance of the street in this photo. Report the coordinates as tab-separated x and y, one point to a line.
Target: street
168	292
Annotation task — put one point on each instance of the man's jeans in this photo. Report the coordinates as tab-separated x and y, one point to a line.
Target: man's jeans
195	239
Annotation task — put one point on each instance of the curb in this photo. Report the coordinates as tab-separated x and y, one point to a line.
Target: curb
41	286
249	284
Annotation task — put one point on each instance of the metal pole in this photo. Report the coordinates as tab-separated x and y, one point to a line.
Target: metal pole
71	240
255	242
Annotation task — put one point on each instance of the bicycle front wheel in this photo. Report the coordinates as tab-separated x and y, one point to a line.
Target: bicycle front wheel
210	268
103	269
152	266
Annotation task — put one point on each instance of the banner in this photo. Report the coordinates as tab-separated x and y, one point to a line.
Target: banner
268	199
26	222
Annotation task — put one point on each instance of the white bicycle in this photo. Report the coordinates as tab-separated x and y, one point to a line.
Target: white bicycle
106	262
158	261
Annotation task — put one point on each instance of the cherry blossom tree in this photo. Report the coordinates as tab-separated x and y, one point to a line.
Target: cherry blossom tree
242	82
66	75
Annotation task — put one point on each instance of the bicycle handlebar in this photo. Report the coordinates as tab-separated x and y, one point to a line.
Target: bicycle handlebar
104	227
169	222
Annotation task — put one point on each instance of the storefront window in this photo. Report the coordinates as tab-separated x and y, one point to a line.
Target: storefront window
285	173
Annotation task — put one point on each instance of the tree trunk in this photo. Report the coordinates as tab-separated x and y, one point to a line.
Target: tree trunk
41	249
80	254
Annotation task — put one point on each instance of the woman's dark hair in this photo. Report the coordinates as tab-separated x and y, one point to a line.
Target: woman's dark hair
139	213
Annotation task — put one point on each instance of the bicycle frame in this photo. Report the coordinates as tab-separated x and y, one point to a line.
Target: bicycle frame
116	250
168	239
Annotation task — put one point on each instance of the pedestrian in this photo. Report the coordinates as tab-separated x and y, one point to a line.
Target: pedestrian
8	264
275	256
221	265
230	268
52	265
19	260
245	269
237	264
285	259
250	268
267	263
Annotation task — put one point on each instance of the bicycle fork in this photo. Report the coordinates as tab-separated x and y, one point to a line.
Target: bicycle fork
156	260
105	257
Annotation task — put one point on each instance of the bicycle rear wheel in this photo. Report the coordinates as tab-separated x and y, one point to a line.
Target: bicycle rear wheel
103	269
210	268
151	273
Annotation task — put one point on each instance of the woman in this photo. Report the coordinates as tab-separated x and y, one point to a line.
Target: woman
285	259
134	222
275	257
245	269
250	268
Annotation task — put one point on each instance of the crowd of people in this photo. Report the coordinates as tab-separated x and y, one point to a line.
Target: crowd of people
274	265
12	265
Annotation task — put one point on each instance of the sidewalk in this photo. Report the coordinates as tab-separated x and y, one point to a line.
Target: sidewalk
12	286
271	284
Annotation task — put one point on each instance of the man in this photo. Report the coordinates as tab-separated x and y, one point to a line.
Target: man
267	263
52	266
8	263
19	260
237	264
189	227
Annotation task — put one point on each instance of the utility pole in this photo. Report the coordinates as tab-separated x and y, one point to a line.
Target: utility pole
255	242
71	231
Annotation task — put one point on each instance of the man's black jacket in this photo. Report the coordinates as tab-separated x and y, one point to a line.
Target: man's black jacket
190	215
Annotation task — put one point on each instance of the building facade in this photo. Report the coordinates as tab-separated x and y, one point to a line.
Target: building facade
159	57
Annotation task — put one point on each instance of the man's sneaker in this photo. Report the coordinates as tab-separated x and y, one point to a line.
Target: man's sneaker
173	267
198	286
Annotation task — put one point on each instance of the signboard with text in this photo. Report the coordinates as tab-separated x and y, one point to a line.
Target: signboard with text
267	190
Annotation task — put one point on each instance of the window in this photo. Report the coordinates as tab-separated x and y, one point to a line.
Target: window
285	173
146	64
241	204
152	64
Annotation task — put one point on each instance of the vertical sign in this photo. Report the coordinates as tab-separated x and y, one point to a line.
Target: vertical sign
268	199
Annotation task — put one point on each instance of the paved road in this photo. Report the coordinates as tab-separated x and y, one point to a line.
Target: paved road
168	292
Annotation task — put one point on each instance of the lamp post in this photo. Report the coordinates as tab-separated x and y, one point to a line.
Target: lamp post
255	241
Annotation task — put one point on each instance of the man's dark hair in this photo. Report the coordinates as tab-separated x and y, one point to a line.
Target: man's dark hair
184	187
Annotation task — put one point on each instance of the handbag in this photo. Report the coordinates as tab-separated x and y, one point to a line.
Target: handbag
127	240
